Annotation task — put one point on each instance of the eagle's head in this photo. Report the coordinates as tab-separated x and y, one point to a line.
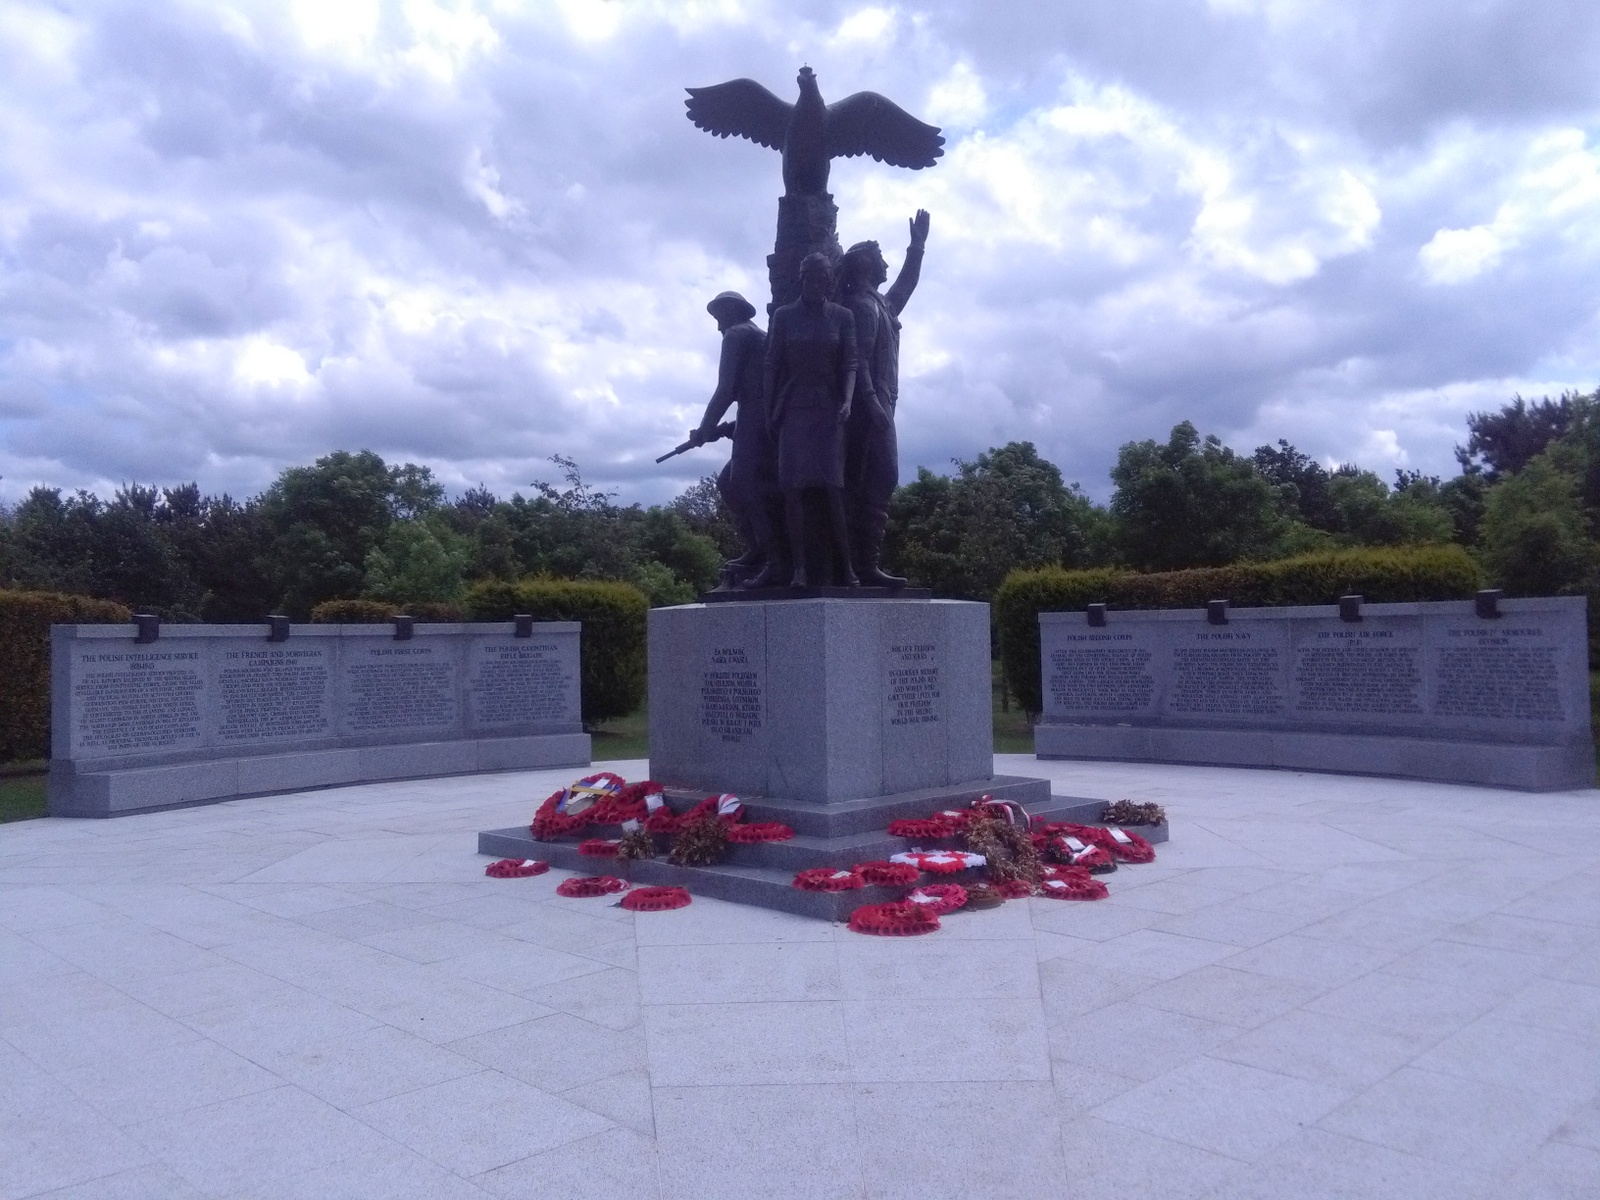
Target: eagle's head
807	80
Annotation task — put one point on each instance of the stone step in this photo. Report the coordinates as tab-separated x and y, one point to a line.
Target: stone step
763	874
862	816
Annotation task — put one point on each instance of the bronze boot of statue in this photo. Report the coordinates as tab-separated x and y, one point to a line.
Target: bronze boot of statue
870	573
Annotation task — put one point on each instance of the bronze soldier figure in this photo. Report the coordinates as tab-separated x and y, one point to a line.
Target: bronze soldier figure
872	463
747	481
810	378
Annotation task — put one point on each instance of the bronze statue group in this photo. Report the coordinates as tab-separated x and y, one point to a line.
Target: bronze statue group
814	460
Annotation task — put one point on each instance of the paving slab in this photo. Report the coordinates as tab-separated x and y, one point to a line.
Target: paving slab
1324	987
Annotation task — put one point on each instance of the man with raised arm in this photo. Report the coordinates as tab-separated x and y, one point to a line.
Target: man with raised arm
872	464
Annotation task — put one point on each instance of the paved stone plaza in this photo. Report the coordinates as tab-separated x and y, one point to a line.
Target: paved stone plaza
1324	988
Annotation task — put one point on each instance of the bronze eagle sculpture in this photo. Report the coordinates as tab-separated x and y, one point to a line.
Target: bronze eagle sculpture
811	134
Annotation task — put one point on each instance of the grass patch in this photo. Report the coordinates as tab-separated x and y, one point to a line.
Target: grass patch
621	737
1012	732
22	791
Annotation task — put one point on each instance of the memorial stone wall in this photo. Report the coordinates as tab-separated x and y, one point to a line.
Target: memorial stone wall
1430	690
211	712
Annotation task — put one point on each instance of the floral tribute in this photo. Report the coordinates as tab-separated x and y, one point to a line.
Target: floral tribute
589	886
1012	889
898	919
1117	842
568	811
599	847
759	831
516	868
928	829
655	899
939	898
828	879
1072	883
888	874
1073	851
1129	812
939	862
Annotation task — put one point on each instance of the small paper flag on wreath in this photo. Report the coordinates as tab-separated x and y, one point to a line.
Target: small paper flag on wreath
759	831
828	879
599	847
939	898
516	868
588	886
729	807
898	919
888	874
655	899
940	862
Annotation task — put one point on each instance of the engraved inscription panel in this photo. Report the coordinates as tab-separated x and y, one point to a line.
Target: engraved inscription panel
1359	672
1225	673
730	695
913	684
1501	674
126	701
277	692
1100	672
522	683
400	687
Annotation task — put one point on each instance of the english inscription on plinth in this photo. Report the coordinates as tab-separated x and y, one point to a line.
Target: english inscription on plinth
1435	690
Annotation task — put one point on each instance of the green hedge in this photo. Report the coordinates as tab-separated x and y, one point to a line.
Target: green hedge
25	620
612	644
1382	575
381	612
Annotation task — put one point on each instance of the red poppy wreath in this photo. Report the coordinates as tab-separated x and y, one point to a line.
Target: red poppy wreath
828	879
655	899
899	919
516	868
939	898
587	886
940	862
759	831
888	874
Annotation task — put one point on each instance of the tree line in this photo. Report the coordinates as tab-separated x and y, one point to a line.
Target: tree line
1526	503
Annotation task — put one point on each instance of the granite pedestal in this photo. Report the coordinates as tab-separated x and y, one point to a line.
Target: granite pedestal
834	715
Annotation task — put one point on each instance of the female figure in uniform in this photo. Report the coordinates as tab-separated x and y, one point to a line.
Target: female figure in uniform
810	378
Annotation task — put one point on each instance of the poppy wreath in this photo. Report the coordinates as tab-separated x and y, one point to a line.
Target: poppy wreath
939	862
939	898
888	874
1070	885
1119	843
1012	889
1085	854
940	825
548	824
983	895
655	899
589	886
598	847
759	831
898	919
516	868
630	803
828	879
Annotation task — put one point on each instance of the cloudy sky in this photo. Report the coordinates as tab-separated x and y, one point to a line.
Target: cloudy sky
234	237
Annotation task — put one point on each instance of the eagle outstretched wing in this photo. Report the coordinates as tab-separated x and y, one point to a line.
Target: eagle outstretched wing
867	123
742	108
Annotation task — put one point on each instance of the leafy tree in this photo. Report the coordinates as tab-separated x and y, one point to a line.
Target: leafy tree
1006	509
419	560
1535	532
1192	503
1502	443
1302	481
1371	515
704	511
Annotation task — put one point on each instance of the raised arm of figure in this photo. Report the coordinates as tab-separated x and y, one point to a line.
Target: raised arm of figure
911	270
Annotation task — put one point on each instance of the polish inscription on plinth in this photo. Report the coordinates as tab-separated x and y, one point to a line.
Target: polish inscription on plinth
273	693
730	695
520	682
127	699
1434	690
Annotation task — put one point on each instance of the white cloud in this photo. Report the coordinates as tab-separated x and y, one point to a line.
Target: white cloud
477	233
